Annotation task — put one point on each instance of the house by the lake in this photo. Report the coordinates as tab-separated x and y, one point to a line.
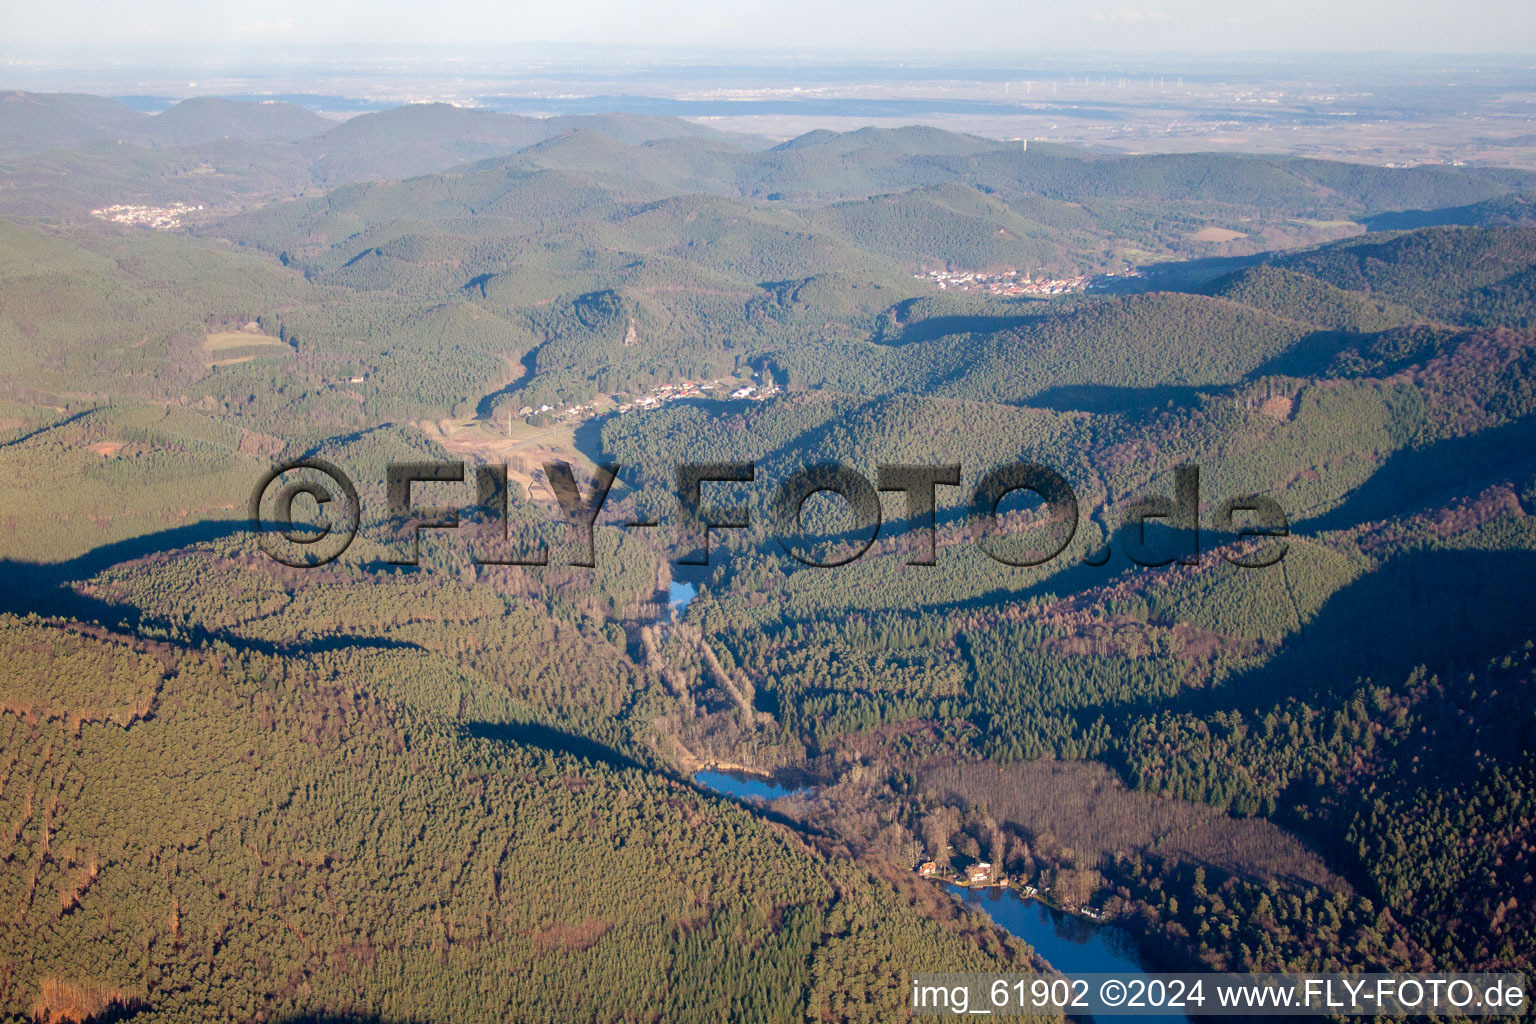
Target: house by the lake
979	873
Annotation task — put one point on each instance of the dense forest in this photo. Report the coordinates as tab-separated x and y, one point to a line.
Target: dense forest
458	790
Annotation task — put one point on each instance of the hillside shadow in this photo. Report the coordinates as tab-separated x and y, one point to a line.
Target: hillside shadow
66	603
45	428
1448	610
546	737
341	440
1188	275
1103	398
1419	478
48	589
1309	357
942	326
1505	211
485	408
588	438
29	581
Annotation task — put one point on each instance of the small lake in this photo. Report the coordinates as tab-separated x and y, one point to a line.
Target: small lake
1069	943
743	786
678	596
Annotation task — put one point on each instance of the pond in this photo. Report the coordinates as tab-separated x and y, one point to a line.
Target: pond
678	596
742	786
1069	943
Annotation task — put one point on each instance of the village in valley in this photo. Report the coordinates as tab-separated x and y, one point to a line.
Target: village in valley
1006	283
524	436
160	218
723	388
1011	284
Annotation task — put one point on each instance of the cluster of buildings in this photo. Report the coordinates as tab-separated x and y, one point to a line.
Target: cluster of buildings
699	389
657	397
979	873
671	392
984	873
1007	283
161	218
564	412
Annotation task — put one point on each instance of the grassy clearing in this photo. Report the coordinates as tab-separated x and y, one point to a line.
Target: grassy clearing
230	348
1325	223
246	337
1217	235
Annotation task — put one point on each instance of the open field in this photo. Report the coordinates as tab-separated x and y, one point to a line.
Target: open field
244	337
1217	235
235	346
524	450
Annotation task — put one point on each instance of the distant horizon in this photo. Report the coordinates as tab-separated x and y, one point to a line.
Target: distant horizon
634	70
557	51
1383	107
1024	27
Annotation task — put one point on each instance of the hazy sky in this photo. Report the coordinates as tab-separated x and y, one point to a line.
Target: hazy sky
29	27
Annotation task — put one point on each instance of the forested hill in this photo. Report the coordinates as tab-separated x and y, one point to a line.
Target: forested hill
221	834
1478	276
243	149
33	122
